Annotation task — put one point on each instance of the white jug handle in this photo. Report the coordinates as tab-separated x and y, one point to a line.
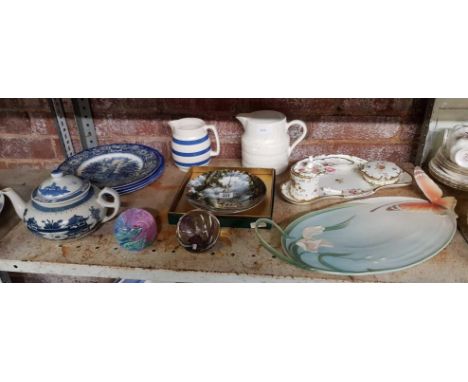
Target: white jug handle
218	145
115	204
304	132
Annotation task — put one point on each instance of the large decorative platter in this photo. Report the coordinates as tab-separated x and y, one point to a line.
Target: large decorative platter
343	180
226	191
124	167
370	236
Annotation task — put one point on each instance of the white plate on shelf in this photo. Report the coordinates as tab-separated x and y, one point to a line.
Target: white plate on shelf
343	179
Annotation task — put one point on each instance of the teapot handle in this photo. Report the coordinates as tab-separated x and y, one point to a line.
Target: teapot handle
304	132
218	145
267	245
115	204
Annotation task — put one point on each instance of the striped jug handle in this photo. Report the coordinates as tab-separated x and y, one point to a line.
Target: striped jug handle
214	153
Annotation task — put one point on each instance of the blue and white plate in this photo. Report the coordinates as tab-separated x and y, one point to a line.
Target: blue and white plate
139	185
124	167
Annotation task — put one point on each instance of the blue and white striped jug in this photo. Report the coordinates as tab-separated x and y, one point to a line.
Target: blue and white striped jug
191	144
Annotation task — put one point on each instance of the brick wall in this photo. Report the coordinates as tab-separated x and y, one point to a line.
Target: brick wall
370	128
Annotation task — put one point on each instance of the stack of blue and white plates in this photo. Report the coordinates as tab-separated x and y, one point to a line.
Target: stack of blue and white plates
126	167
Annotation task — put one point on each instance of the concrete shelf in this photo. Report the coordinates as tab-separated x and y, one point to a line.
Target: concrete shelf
237	257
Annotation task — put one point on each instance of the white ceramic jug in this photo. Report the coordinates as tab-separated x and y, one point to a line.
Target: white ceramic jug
266	142
191	144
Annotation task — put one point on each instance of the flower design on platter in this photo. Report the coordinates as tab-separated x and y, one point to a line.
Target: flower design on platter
352	192
309	242
330	169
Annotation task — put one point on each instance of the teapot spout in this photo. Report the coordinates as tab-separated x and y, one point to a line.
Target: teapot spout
18	203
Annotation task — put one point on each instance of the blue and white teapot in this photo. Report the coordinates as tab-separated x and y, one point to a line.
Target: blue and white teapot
65	207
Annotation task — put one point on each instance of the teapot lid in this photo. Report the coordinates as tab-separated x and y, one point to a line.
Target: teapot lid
60	187
308	168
